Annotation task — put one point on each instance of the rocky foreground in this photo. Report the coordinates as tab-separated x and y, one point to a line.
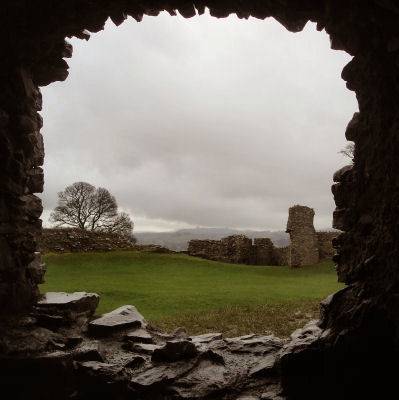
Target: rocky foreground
120	356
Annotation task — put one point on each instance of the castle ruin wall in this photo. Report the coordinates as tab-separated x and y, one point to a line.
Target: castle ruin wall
308	247
208	249
263	249
353	354
304	243
281	255
236	249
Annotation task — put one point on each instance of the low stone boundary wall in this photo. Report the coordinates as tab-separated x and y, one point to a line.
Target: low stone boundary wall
208	249
236	249
239	249
79	240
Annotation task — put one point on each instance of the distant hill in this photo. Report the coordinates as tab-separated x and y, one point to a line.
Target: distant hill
178	240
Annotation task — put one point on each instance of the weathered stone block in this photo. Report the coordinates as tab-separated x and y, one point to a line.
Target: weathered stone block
70	306
175	350
35	181
122	318
37	269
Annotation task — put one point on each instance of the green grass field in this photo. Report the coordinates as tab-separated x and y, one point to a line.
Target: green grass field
173	290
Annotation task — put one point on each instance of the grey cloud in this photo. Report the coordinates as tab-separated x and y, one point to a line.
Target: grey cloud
201	122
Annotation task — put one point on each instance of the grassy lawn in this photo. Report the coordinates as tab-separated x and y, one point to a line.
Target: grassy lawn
173	290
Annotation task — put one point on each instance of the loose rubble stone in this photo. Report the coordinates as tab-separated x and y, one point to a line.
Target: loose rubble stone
198	367
144	348
30	340
92	351
204	380
73	340
139	336
213	356
271	396
301	339
58	307
265	367
103	380
206	338
135	362
159	375
179	333
175	350
122	318
247	398
254	344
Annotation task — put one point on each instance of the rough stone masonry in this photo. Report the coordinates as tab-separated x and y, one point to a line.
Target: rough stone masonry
307	246
352	355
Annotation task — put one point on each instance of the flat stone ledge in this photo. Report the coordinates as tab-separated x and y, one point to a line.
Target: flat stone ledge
122	318
68	304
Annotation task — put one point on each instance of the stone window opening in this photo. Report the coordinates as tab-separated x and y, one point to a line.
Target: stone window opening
90	70
350	351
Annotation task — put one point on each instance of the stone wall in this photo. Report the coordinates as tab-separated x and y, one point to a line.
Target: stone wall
263	252
307	246
281	255
79	240
304	245
21	176
236	249
208	249
353	355
239	249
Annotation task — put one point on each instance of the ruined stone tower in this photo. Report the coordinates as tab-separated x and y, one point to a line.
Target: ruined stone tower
304	242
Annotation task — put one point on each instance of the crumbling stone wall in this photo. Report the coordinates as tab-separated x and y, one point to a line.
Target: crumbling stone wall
239	249
208	249
21	176
307	246
304	245
264	252
353	354
281	255
79	240
236	249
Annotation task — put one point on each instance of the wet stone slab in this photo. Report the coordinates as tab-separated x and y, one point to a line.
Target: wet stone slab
131	359
124	317
175	350
206	338
144	348
72	305
139	336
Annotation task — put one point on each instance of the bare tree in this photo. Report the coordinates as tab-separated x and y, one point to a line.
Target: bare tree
121	225
349	150
83	206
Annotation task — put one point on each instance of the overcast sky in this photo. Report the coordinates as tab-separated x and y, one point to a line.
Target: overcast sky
201	122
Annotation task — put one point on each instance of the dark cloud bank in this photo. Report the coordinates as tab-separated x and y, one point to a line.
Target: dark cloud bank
201	122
